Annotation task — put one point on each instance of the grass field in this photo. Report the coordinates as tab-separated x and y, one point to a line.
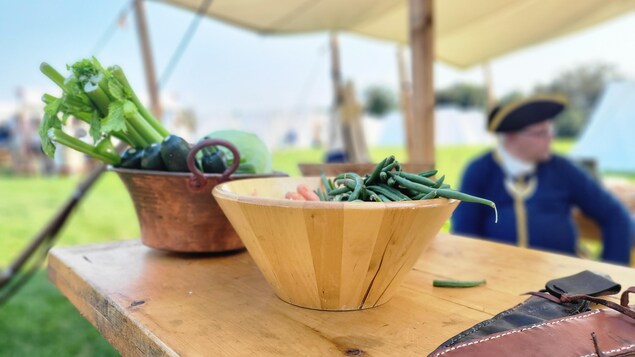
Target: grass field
38	321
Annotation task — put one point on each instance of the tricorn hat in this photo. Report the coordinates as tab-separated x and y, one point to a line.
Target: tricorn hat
517	115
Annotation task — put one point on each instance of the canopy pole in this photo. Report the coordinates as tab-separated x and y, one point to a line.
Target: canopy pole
336	73
405	97
148	61
338	132
422	46
489	88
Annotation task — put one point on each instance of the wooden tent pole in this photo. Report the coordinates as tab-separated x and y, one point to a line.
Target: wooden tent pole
405	97
338	129
148	62
489	88
422	46
336	73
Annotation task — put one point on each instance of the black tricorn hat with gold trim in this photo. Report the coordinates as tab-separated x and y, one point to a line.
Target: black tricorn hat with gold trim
519	114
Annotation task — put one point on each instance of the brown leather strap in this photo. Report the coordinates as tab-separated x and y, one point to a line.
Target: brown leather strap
621	308
624	309
544	295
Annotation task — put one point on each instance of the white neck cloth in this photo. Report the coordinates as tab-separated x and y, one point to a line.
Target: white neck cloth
513	166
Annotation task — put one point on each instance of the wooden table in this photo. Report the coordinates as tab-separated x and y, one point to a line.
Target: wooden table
146	302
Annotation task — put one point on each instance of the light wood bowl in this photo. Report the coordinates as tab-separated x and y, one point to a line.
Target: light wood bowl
329	255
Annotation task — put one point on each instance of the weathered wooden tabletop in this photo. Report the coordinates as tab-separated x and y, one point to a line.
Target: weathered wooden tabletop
147	302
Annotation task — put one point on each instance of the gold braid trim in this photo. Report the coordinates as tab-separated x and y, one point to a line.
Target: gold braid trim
521	191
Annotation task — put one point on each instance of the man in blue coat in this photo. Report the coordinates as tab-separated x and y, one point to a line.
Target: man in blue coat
535	190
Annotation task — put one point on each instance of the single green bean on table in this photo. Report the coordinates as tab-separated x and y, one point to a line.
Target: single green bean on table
457	283
389	183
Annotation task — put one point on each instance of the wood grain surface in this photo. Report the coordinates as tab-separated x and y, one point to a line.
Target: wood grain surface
151	303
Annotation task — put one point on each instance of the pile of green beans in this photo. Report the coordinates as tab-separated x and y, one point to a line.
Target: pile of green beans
389	183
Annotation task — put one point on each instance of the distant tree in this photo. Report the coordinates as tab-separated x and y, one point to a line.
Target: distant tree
464	95
582	86
378	101
510	97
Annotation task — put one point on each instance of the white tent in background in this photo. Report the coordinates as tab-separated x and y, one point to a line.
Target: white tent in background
453	126
608	136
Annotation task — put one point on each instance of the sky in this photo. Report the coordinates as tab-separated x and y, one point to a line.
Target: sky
228	71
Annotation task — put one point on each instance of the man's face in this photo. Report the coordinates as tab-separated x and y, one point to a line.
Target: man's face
533	143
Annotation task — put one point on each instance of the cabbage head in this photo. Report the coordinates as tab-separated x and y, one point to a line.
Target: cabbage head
255	157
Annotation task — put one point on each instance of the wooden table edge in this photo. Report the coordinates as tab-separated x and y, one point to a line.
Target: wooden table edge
85	299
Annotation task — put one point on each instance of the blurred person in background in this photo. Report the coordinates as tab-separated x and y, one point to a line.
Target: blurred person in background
536	190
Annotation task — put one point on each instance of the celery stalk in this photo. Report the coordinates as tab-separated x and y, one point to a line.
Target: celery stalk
61	137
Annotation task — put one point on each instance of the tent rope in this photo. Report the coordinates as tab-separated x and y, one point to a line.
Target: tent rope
185	40
110	30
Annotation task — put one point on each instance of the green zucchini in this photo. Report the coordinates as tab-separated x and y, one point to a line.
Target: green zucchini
174	151
215	163
131	158
151	159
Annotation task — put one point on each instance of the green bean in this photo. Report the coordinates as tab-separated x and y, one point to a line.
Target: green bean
331	184
325	182
339	191
417	179
342	197
457	283
346	175
390	166
428	173
445	185
439	182
350	183
412	185
395	191
391	182
323	195
389	160
384	198
382	191
383	176
373	196
426	196
375	174
359	183
408	192
447	193
365	194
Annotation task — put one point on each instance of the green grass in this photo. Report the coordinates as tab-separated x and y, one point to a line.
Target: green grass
39	321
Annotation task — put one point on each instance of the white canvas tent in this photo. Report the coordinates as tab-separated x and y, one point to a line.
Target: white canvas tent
453	126
608	136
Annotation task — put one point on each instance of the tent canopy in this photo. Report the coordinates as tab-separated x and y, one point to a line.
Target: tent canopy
608	136
468	32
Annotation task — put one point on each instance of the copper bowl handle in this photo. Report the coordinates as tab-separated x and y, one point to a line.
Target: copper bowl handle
197	182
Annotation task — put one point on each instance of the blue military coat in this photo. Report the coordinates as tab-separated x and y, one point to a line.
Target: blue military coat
560	185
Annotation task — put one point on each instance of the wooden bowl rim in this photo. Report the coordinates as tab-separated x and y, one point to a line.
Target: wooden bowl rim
220	192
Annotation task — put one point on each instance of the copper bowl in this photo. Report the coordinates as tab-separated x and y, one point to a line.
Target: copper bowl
176	211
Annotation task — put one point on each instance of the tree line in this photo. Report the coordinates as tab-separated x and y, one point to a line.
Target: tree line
582	85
